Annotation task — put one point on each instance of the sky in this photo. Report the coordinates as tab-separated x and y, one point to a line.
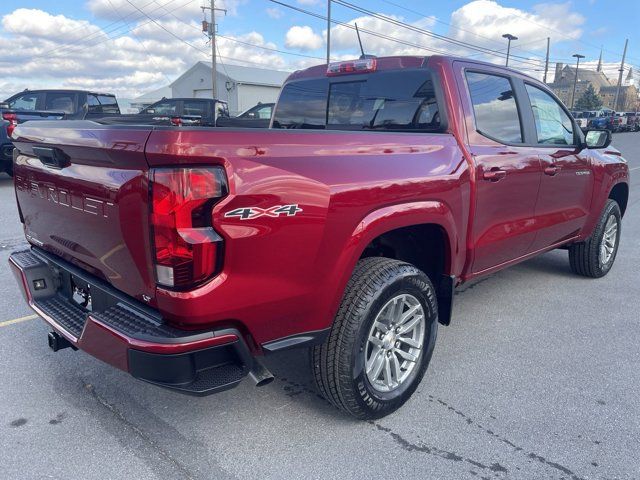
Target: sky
130	47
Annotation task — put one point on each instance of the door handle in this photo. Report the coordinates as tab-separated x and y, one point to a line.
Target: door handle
552	170
494	175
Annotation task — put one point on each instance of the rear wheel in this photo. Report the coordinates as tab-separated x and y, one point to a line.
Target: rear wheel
381	341
595	256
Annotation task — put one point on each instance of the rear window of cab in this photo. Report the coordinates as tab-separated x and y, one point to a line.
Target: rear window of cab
380	101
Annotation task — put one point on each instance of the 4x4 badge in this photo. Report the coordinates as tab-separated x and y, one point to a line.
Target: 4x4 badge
247	213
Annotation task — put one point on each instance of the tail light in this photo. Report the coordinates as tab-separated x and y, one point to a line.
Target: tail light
187	249
12	118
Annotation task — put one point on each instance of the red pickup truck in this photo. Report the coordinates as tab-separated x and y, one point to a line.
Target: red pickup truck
181	255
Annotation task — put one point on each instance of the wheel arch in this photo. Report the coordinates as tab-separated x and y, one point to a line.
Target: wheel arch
420	233
620	193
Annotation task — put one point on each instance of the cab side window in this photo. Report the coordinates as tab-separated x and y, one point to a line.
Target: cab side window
26	101
195	108
553	125
162	108
60	102
494	107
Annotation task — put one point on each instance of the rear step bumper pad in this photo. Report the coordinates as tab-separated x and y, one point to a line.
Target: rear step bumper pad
128	335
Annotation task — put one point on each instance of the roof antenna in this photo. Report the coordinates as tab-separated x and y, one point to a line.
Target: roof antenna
363	55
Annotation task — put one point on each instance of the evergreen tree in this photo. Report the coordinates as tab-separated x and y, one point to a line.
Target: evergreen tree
589	100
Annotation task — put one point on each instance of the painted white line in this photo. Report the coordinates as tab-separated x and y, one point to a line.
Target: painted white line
634	168
6	323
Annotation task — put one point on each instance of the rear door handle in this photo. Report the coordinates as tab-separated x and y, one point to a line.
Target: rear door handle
552	170
494	175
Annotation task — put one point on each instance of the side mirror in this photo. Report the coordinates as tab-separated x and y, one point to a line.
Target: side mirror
598	138
4	106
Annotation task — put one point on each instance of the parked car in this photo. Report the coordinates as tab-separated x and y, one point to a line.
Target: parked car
622	122
258	116
49	105
633	121
583	118
175	111
382	185
605	120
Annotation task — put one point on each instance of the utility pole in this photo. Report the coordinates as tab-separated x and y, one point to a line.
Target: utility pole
328	31
575	79
624	55
509	37
546	62
211	31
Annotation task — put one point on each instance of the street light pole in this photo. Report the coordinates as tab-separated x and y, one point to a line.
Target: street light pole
509	37
328	31
575	79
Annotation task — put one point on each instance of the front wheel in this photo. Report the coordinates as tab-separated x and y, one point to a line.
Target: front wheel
595	256
381	341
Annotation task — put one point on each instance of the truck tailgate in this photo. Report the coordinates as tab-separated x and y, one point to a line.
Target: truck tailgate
82	191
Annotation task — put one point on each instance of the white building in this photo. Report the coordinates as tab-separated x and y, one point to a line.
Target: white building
240	87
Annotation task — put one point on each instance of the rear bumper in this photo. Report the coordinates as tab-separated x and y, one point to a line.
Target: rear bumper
126	334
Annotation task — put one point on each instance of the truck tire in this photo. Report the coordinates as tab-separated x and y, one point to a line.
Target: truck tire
595	256
381	341
9	169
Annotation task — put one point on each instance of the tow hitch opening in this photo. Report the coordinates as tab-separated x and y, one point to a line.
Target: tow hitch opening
58	342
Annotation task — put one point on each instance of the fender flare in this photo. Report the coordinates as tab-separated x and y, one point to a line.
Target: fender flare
384	220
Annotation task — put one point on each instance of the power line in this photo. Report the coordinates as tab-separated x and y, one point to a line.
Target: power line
387	37
162	27
139	42
423	31
72	49
263	47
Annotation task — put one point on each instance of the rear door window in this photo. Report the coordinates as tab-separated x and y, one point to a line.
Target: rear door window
102	104
109	104
494	107
64	102
26	101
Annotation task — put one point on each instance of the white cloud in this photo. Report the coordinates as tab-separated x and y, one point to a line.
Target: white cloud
274	13
132	56
344	39
485	21
130	9
303	38
39	50
309	2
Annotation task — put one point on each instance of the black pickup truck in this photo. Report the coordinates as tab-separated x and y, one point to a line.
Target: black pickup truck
258	116
49	105
175	111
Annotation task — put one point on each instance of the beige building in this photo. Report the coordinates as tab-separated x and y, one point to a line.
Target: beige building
564	79
627	100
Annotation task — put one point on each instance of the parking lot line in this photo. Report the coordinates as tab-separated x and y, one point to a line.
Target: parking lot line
6	323
634	168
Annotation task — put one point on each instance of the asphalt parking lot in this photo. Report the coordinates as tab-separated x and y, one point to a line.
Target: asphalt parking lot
538	377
